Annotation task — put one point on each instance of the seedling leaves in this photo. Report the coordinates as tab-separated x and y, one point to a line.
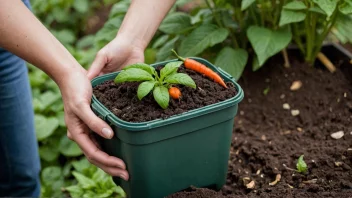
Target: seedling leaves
144	88
161	95
301	165
181	78
133	75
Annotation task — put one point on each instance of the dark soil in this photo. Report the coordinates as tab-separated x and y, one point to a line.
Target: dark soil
267	137
121	99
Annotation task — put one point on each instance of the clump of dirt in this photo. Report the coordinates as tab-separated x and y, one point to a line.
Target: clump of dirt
121	99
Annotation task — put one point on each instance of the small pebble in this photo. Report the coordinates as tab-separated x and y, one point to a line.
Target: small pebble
345	95
296	85
338	164
295	112
251	185
241	112
282	96
286	106
337	135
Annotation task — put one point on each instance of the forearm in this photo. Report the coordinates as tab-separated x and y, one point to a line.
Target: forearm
22	34
143	19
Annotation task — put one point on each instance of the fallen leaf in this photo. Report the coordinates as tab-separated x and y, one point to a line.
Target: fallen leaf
296	85
277	179
337	135
251	185
312	181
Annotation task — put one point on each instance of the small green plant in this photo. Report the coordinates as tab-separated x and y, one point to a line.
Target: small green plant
301	165
153	81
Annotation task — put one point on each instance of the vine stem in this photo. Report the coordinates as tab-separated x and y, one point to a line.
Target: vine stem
287	61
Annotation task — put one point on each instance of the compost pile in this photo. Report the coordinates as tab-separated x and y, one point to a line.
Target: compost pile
274	127
121	99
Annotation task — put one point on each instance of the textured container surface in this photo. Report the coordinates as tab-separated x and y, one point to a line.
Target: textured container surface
167	156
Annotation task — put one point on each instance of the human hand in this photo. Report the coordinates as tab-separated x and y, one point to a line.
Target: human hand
117	54
76	93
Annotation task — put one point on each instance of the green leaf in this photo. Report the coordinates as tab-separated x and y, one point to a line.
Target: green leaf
51	174
295	5
75	191
346	7
133	75
149	55
69	148
232	61
48	98
266	91
328	6
181	78
142	66
49	152
161	95
170	68
176	23
246	3
85	42
81	165
160	41
266	42
100	175
144	88
301	165
119	9
165	51
44	127
288	16
61	117
107	193
119	190
81	5
84	181
65	36
255	64
201	15
201	38
317	10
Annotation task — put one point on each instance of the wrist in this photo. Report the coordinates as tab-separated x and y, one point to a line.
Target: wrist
135	41
68	73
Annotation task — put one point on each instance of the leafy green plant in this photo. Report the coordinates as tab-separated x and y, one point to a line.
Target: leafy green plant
153	81
301	165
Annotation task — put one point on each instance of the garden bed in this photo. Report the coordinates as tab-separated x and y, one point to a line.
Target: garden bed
267	136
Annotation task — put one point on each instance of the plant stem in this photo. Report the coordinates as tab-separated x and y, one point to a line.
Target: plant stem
309	41
252	12
287	61
214	14
297	38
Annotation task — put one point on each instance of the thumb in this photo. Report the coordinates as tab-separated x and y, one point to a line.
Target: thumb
97	65
94	122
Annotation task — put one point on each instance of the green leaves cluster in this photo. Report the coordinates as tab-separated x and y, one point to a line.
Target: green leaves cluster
301	165
151	80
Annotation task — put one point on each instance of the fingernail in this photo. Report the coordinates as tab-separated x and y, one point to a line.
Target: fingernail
107	132
124	177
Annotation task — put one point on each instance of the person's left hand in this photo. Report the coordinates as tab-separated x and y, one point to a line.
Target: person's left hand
117	54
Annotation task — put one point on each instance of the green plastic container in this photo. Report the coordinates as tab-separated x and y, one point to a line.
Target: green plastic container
167	156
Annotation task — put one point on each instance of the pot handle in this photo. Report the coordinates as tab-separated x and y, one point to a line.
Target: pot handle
99	111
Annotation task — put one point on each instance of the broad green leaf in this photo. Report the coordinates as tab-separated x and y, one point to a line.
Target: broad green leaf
201	38
317	10
44	127
160	41
328	6
61	117
246	3
232	61
176	23
48	98
60	15
66	170
181	78
301	165
346	7
84	181
106	193
161	96
69	148
37	105
65	36
170	68
51	174
144	88
290	16
81	165
201	15
75	191
85	42
150	55
266	42
48	153
142	66
133	75
165	51
81	5
119	9
255	64
100	175
119	190
295	5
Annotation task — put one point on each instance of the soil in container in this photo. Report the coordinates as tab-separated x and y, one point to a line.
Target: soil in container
267	135
121	99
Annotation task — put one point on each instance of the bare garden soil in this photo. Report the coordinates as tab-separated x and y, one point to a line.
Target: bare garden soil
267	136
121	99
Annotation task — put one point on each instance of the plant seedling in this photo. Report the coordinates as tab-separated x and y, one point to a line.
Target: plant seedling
301	165
152	81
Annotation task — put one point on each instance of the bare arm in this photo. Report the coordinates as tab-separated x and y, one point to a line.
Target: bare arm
137	29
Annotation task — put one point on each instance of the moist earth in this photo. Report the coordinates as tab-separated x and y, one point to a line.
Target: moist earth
121	99
268	139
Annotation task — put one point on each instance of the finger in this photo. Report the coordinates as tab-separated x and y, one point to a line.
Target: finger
97	65
96	124
94	154
113	171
